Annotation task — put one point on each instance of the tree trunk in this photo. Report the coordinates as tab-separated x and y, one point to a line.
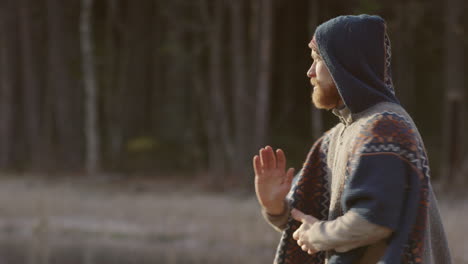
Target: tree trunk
157	84
60	83
92	160
31	87
116	81
242	101
406	22
264	71
6	89
219	112
138	71
454	115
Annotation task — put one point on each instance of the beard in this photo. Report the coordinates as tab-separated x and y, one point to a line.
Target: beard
325	97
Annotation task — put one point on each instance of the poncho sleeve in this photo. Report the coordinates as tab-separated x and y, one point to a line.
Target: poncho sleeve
387	185
380	173
376	190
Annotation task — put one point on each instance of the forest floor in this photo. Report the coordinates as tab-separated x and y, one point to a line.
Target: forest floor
83	220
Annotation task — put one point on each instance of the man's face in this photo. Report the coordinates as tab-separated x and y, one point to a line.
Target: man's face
325	94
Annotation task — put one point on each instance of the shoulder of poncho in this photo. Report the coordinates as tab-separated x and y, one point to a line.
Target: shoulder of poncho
388	132
383	123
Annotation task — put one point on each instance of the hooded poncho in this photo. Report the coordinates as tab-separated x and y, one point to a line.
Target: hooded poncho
373	163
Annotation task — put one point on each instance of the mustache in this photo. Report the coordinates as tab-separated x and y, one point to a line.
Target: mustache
313	81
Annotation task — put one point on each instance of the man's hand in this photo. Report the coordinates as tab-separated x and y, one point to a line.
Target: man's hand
272	182
301	233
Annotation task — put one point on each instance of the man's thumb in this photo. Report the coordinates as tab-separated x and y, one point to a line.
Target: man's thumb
298	215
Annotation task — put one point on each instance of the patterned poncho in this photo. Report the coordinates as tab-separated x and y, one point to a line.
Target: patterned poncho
373	162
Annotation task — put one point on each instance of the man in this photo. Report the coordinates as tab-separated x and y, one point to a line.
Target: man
364	193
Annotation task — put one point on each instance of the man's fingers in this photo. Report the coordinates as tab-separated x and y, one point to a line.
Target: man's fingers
257	164
271	158
300	243
261	154
289	176
281	160
296	235
266	158
304	248
310	252
298	215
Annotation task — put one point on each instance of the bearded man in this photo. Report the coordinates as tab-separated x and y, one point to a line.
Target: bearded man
364	193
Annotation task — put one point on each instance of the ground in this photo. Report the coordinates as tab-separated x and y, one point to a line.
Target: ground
75	219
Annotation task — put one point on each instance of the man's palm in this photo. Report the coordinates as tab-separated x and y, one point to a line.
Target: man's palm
272	182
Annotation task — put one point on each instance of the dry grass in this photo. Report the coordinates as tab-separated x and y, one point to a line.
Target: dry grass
159	220
455	217
156	222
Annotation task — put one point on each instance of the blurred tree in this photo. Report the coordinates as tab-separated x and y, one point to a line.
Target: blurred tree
7	82
243	103
65	99
405	23
106	68
265	19
90	86
454	107
32	86
113	60
219	139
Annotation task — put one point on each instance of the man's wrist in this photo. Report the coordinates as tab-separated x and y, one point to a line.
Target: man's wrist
277	211
278	219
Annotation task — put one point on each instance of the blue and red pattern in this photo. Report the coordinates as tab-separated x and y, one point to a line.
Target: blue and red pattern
310	194
391	133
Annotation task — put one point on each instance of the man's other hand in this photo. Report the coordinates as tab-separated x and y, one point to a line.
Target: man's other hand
301	234
272	182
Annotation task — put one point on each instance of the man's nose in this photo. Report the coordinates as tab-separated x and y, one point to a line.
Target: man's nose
311	72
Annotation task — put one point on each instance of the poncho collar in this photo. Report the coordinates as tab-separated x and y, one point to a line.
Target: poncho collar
344	114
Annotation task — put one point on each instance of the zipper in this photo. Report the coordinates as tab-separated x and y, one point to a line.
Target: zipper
342	132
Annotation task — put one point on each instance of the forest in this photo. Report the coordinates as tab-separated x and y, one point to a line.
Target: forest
195	87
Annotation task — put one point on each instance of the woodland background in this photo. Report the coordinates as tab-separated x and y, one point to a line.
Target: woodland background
196	87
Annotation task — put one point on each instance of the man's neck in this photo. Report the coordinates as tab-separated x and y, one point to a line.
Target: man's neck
340	105
343	113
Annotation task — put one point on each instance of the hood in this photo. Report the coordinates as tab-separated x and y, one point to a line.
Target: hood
356	50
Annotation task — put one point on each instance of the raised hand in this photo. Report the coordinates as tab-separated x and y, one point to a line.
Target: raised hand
272	182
